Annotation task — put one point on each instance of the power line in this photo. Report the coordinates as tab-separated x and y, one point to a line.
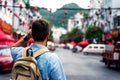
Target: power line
89	9
12	6
118	8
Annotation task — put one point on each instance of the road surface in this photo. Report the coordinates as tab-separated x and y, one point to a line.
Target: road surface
80	67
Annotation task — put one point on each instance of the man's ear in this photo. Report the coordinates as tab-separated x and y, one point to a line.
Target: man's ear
48	36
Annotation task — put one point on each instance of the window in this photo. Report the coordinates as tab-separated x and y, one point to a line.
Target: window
101	47
95	47
90	46
117	20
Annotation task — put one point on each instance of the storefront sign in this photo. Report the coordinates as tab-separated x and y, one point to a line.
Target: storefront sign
115	32
7	28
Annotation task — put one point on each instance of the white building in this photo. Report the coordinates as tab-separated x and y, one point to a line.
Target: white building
111	13
102	13
75	21
6	16
11	15
95	13
57	32
16	17
116	12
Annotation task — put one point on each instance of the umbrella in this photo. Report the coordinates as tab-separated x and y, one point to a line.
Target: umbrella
73	43
83	43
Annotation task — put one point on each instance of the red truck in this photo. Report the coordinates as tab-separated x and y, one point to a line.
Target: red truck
111	56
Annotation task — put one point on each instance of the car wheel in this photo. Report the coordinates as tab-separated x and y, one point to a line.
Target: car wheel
107	63
85	53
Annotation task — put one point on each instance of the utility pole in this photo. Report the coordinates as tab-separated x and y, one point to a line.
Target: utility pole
13	9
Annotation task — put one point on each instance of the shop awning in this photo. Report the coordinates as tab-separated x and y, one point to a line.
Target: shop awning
83	43
4	37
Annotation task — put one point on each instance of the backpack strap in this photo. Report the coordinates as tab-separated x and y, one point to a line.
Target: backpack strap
39	52
35	54
24	51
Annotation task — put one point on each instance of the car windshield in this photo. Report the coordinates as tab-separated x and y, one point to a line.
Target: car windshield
5	51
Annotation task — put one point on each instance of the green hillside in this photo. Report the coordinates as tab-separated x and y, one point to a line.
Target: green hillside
59	18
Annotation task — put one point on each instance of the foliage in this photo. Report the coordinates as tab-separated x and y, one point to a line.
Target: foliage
93	32
44	12
27	4
74	35
15	1
59	18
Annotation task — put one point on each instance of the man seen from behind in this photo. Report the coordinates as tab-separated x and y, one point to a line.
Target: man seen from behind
48	63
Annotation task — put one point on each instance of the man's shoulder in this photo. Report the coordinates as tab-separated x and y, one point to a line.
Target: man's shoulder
52	57
16	48
49	56
16	52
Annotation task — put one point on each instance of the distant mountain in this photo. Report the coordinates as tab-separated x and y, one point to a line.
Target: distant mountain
60	17
44	12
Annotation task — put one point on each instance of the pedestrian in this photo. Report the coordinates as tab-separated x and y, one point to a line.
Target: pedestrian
48	63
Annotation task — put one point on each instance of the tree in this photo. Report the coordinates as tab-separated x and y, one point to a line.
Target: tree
94	32
75	35
27	4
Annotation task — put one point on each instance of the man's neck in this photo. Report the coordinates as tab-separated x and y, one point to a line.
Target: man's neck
40	43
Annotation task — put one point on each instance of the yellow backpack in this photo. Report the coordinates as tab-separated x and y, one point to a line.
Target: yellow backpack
25	68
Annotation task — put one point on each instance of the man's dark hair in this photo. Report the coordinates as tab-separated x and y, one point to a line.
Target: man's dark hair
40	30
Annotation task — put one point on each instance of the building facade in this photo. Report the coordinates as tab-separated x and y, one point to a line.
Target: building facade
15	18
75	21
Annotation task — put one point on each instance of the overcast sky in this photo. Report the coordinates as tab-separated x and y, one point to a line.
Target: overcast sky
55	4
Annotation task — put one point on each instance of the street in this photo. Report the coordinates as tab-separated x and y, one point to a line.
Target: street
81	67
86	67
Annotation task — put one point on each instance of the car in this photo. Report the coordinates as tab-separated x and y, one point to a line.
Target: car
52	48
6	61
77	49
94	49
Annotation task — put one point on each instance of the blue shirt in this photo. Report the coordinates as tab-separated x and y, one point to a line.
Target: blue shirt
48	63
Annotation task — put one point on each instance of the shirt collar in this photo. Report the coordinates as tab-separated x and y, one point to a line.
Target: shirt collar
35	47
